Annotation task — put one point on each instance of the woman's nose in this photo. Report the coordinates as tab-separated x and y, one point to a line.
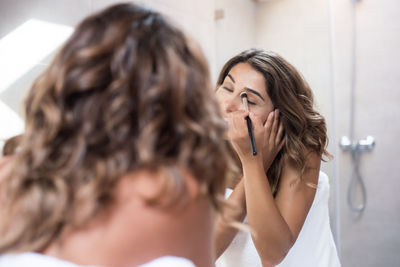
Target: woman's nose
232	104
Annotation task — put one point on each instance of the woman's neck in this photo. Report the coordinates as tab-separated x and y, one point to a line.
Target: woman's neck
133	232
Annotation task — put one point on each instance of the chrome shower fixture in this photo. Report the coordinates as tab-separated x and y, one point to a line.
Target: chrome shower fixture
355	149
366	144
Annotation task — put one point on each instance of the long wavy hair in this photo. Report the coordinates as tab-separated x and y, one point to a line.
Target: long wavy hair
10	145
304	127
127	91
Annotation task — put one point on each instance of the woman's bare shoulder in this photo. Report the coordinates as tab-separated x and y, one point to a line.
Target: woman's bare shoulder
308	174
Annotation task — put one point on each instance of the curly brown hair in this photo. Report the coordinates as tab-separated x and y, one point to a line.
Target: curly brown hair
127	91
304	127
10	145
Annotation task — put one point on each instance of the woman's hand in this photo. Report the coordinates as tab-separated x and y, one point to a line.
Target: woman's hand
273	138
239	136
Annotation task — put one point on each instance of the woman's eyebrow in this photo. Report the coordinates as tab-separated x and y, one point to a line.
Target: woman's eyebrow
230	76
247	88
254	92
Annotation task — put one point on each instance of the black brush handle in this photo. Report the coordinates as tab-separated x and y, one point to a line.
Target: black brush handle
251	135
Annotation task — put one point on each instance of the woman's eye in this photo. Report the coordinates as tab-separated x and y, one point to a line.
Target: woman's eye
251	103
227	89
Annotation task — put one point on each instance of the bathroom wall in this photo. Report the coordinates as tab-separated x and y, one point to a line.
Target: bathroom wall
373	238
236	30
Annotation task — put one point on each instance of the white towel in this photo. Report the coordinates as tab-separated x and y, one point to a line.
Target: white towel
314	246
31	259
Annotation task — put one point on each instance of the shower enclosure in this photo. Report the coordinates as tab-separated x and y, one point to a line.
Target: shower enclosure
366	94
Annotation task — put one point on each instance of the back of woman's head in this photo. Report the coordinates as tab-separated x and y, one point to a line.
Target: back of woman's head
127	91
304	127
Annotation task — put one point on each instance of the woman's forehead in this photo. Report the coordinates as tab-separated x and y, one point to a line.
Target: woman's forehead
244	75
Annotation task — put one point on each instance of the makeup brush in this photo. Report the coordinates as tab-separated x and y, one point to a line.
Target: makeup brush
243	96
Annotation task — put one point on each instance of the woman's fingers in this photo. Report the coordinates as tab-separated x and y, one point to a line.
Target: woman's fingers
237	123
256	120
239	133
268	125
